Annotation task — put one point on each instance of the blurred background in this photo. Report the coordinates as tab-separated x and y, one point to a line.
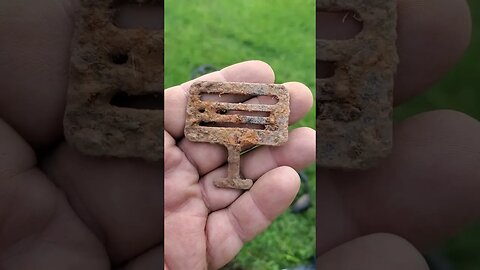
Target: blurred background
219	33
460	91
282	33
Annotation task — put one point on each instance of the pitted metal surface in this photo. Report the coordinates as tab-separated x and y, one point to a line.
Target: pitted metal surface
109	62
215	121
354	106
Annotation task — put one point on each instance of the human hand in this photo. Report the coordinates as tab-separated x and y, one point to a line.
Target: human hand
205	226
428	188
60	209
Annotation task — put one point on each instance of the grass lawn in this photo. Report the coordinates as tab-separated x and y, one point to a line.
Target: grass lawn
279	32
459	91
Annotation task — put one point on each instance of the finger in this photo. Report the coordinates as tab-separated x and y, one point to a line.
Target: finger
373	252
422	61
151	260
180	177
16	155
228	229
297	153
34	74
425	57
39	229
112	196
301	101
431	178
45	64
176	97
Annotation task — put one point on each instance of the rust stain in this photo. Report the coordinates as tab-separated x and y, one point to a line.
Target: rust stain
354	106
235	124
91	123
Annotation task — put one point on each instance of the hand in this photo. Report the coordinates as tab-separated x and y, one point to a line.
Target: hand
428	188
63	210
205	227
60	209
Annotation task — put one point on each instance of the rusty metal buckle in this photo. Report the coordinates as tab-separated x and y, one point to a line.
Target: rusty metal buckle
235	125
113	69
354	104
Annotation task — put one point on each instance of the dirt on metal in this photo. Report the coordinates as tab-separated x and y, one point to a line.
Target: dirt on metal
111	69
237	125
354	106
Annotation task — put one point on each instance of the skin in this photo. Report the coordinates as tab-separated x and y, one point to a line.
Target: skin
62	210
215	223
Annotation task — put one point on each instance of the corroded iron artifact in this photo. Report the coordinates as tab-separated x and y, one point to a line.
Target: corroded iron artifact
237	125
114	72
354	106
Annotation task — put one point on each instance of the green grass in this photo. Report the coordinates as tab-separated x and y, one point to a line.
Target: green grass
464	250
279	32
460	91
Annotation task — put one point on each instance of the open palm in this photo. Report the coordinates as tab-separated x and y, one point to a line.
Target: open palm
205	226
60	209
63	210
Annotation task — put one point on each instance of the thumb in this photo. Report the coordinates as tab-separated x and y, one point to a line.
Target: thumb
373	252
